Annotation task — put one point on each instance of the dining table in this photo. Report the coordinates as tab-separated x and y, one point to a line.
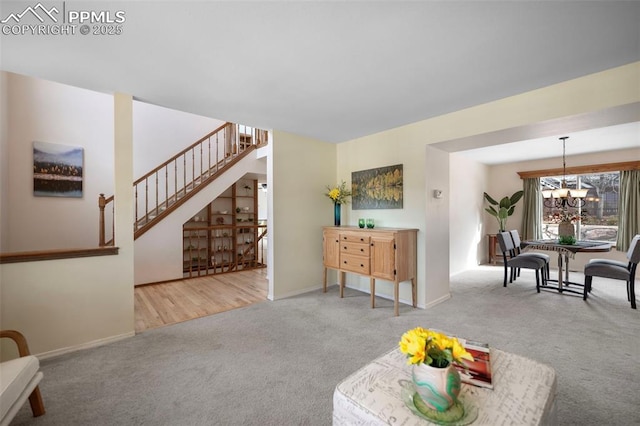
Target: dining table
565	252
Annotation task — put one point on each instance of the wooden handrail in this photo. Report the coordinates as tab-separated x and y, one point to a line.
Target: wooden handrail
151	222
181	153
36	256
102	203
178	178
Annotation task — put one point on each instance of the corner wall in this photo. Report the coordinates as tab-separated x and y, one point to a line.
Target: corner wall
299	170
468	180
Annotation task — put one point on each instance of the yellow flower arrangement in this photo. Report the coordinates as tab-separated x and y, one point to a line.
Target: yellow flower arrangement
338	194
432	348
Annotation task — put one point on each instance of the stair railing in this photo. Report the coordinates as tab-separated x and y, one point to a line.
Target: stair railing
169	185
103	238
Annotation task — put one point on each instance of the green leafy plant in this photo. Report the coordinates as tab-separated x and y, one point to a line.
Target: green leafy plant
504	208
567	240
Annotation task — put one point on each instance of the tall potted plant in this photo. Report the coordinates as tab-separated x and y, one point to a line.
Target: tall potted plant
503	209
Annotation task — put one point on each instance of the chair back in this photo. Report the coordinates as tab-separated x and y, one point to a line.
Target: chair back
505	241
633	254
515	237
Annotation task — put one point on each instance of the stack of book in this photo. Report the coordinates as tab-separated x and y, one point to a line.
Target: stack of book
478	372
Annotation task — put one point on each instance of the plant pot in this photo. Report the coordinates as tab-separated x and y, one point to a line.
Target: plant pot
437	387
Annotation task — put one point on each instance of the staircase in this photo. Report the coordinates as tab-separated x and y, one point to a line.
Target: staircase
171	184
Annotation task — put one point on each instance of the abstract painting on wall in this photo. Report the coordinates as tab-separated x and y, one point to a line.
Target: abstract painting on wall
57	170
379	188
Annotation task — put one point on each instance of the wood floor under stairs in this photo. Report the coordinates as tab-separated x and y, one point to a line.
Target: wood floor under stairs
157	305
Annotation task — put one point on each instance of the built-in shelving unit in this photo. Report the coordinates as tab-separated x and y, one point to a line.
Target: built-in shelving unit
224	236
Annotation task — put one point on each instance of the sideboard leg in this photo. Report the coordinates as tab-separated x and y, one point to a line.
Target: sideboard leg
414	292
396	296
324	281
372	288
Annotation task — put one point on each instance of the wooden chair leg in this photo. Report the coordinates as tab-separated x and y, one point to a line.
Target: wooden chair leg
632	290
538	280
35	400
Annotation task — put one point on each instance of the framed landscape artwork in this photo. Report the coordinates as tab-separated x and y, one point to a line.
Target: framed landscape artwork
379	188
57	170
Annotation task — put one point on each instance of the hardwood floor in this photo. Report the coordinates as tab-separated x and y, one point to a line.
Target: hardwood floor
157	305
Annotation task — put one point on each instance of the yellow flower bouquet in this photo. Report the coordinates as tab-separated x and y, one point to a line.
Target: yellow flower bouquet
423	346
338	194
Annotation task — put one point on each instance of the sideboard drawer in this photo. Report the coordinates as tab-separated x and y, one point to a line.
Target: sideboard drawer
357	264
354	238
357	249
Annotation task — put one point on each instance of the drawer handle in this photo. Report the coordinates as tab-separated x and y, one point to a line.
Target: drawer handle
361	249
345	262
361	265
345	247
361	239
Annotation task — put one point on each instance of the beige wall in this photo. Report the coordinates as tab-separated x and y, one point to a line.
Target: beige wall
4	159
299	169
467	229
50	112
63	305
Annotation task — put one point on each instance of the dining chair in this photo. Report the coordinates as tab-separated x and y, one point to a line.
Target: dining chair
515	237
514	262
614	269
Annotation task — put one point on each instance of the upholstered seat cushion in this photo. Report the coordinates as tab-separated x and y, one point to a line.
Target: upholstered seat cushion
608	262
530	262
542	256
15	378
607	270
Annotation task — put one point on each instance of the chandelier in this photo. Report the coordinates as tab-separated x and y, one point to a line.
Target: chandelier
564	197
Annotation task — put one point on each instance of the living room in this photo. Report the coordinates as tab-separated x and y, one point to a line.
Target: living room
91	298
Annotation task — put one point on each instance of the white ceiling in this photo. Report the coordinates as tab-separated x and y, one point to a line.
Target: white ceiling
332	70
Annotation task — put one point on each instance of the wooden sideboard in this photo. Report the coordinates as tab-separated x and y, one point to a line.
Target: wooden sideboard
380	253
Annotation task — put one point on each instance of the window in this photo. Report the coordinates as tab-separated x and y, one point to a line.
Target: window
600	212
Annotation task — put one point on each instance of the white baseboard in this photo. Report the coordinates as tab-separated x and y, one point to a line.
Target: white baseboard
296	293
87	345
438	301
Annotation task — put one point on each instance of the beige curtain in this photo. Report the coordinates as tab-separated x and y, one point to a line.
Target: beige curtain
531	209
628	208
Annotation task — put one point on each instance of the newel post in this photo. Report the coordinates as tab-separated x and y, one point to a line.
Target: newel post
101	203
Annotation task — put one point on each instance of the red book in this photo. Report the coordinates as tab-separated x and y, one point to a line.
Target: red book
478	372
